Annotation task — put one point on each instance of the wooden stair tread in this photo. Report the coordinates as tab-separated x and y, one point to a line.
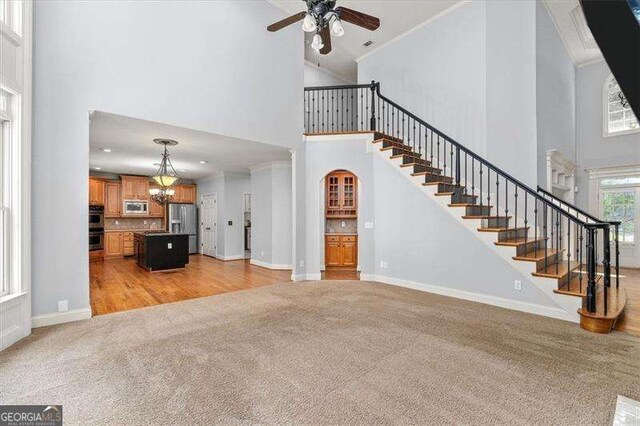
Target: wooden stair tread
444	183
403	147
415	164
485	216
573	287
468	205
442	194
557	270
514	242
537	255
502	229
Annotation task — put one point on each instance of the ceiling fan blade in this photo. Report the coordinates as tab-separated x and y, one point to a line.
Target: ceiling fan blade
358	18
286	22
326	40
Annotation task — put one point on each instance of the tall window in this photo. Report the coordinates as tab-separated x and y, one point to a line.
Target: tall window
11	15
5	154
618	116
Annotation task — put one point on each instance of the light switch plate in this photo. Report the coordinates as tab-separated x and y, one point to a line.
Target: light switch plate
517	285
368	225
63	306
170	246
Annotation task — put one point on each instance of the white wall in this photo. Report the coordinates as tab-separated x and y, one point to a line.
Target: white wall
271	215
555	93
189	64
593	149
438	73
315	76
511	88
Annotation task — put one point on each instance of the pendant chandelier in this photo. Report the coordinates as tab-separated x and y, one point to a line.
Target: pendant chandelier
165	177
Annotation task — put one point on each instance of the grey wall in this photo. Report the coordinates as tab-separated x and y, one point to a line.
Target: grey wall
511	87
593	149
438	73
189	64
314	76
555	93
271	214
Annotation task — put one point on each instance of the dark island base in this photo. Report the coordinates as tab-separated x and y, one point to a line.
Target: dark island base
161	251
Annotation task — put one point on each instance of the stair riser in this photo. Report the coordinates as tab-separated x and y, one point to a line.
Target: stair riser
498	222
570	276
400	150
448	187
437	178
386	143
550	261
523	249
478	210
512	234
406	159
418	168
458	198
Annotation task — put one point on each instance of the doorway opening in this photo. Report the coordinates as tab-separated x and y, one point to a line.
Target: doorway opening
340	213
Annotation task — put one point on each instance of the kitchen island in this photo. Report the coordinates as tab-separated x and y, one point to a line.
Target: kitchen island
160	250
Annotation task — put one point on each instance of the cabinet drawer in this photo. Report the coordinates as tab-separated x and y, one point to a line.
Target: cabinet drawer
333	239
349	238
128	236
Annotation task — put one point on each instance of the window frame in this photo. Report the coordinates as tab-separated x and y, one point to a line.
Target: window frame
605	112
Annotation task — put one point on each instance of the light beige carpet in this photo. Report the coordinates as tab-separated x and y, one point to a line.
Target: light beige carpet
323	352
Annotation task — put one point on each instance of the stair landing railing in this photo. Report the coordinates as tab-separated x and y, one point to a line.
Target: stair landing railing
560	238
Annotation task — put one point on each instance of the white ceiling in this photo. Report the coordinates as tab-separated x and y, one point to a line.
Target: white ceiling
575	33
396	18
134	152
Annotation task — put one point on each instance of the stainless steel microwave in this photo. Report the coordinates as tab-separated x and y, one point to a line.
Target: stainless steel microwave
135	207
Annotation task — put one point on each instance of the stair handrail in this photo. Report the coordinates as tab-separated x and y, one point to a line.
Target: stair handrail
325	114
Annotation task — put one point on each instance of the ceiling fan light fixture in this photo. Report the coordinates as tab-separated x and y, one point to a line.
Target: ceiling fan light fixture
336	28
317	42
309	23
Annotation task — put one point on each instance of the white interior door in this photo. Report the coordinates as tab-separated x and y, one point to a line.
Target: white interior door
622	203
208	225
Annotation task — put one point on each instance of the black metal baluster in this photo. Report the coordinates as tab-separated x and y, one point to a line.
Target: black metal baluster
473	178
536	243
515	214
457	167
544	234
451	160
591	269
506	204
568	252
466	182
617	236
558	238
431	154
580	256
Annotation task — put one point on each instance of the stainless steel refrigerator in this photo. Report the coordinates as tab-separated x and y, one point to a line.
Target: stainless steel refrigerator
183	219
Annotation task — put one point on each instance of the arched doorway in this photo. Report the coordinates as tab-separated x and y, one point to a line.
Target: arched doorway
340	213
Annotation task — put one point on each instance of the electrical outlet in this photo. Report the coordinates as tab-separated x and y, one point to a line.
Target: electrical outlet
170	246
145	222
344	224
384	265
117	222
63	306
261	254
381	264
302	263
517	285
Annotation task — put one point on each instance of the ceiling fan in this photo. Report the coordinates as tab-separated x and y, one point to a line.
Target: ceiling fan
323	18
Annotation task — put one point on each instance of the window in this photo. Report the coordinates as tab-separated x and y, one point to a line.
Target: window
11	15
618	116
5	139
620	205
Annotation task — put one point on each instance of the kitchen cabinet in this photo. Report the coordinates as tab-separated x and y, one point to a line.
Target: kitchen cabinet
135	188
341	197
185	194
113	244
155	209
127	243
96	192
341	251
113	201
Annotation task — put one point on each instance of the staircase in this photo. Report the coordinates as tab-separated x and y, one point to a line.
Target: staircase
558	243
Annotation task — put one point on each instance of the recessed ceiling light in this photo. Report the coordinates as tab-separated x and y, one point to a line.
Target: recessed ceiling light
106	149
203	162
97	168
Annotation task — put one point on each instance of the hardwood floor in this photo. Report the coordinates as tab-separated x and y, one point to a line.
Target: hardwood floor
340	274
629	321
121	285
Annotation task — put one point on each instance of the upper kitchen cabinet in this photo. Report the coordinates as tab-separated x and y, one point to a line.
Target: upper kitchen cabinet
113	204
185	194
135	188
341	195
96	192
155	209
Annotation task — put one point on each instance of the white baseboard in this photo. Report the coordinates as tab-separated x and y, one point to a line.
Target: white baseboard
61	317
274	266
234	257
306	277
11	335
474	297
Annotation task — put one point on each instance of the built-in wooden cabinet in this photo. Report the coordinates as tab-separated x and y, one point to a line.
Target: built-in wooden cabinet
341	195
341	250
127	243
135	188
155	209
96	192
113	244
185	194
113	200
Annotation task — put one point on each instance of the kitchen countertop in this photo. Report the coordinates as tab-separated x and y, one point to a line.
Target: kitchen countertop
133	230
